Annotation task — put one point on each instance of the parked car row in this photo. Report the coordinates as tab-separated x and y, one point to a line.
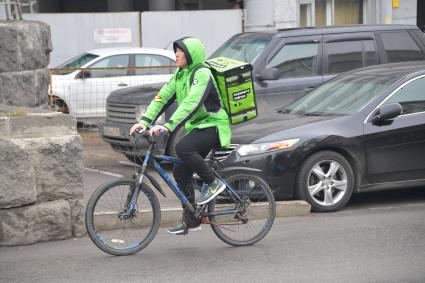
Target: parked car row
286	65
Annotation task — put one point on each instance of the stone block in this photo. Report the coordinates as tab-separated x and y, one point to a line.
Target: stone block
24	88
57	163
38	125
24	45
34	223
77	217
17	175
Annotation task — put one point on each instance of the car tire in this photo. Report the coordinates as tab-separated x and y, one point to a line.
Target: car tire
326	181
60	106
174	139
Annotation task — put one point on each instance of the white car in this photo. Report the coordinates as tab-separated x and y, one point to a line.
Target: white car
83	93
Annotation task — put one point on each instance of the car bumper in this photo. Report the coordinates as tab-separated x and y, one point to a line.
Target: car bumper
117	135
278	169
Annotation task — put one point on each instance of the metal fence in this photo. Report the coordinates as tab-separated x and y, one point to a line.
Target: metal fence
82	92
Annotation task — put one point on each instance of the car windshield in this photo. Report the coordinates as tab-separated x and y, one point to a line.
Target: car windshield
245	47
76	62
344	95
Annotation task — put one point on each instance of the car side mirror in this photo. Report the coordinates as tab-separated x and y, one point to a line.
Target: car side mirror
271	74
387	112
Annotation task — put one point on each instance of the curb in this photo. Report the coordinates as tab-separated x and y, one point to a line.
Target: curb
170	216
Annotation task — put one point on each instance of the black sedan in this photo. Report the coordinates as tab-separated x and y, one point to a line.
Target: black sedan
362	131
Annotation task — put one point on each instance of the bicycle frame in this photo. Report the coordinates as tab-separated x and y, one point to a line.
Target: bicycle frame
141	173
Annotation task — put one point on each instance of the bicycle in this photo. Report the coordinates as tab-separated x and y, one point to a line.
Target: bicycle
247	202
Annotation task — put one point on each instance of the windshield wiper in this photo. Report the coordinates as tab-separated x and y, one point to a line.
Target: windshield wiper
314	114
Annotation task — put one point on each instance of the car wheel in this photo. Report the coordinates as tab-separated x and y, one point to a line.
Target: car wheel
326	181
60	106
174	139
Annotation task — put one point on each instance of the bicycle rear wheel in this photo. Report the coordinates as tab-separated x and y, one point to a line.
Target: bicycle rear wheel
112	229
246	221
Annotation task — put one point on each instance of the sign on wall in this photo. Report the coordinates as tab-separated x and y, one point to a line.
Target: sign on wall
112	35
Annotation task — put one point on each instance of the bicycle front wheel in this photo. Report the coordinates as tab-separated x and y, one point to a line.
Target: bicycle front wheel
243	213
112	228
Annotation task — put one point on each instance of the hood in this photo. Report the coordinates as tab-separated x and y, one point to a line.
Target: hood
264	130
192	48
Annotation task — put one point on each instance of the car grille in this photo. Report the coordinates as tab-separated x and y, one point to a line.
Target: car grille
120	113
222	154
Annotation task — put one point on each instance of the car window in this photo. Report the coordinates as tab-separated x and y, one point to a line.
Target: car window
245	47
76	62
348	55
149	60
296	60
343	95
117	61
400	46
411	97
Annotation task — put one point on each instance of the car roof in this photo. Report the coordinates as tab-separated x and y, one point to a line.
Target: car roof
305	31
402	69
131	50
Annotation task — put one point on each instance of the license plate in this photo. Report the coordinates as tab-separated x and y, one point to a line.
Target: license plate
111	131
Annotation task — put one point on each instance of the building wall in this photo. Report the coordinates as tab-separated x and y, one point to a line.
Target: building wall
73	34
159	29
406	12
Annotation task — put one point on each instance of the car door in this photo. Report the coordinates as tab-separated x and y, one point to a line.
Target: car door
151	68
95	85
395	150
298	64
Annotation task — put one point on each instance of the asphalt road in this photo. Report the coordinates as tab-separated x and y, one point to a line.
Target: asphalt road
379	237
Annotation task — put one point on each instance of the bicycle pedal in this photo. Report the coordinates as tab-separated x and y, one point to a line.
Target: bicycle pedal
205	220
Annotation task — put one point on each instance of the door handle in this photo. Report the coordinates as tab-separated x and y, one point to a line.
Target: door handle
122	84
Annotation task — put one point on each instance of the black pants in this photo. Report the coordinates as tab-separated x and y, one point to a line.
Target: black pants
192	149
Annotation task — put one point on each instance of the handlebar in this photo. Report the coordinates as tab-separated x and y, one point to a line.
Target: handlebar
140	133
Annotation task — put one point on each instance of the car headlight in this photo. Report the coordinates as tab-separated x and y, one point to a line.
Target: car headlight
141	109
256	148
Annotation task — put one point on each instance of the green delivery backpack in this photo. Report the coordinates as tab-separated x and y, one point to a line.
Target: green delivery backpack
236	86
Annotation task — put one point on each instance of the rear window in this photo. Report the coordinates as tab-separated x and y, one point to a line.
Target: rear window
245	47
400	47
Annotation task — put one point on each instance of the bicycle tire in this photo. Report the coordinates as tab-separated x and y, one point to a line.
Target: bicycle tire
108	231
229	227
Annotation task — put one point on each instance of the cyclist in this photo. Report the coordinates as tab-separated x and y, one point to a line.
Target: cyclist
201	112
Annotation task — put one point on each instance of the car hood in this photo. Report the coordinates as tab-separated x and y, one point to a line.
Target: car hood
262	130
135	95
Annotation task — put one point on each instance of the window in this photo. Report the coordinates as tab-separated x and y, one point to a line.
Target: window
296	60
149	60
120	61
411	97
347	55
244	47
400	46
348	12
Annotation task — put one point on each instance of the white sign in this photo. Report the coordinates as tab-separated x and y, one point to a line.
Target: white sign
112	35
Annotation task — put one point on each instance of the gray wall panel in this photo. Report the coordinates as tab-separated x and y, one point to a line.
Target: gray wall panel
213	27
73	34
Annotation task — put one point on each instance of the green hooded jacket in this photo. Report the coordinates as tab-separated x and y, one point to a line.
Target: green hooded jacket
199	102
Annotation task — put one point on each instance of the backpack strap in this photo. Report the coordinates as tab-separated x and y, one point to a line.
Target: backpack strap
192	74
